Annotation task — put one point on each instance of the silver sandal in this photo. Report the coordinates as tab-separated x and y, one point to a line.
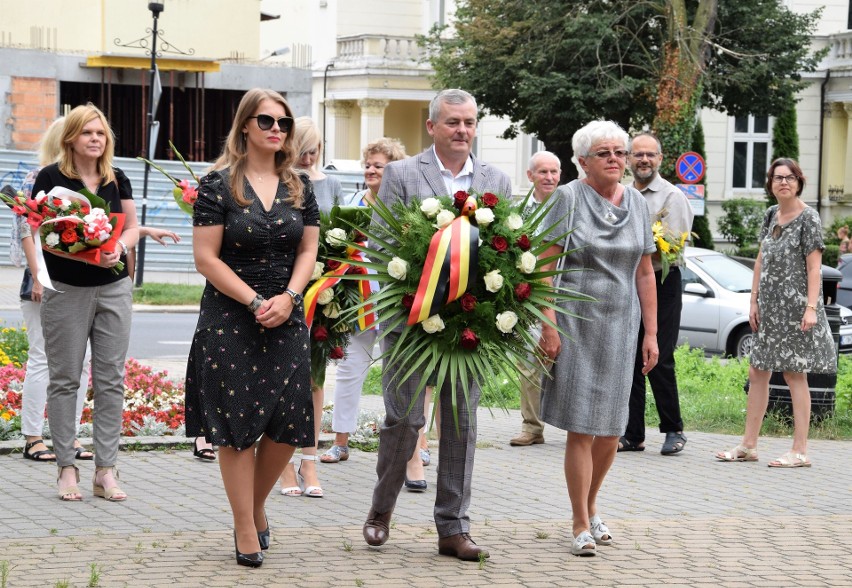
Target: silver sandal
584	545
335	454
599	531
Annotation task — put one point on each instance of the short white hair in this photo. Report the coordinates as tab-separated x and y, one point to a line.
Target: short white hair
538	155
595	132
451	96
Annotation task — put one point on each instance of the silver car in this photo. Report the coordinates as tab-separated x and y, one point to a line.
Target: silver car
716	295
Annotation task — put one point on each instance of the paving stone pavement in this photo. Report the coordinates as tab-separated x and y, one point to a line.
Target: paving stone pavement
683	520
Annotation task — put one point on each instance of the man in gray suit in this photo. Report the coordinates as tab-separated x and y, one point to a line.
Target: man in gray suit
442	170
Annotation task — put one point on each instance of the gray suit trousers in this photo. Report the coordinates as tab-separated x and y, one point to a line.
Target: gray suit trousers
100	315
398	438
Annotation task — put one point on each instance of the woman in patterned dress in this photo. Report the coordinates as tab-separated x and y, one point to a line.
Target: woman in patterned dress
791	330
255	237
589	388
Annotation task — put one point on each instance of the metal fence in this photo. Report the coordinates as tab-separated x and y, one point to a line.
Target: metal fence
161	210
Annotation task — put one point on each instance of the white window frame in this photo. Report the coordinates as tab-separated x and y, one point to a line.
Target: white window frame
751	138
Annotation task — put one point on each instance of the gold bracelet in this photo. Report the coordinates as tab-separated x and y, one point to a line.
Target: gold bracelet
812	306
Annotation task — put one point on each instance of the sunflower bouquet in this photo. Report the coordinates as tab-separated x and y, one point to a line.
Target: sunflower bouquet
329	297
184	193
462	282
670	247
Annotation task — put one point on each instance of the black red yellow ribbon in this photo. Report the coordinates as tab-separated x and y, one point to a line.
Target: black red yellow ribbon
449	269
366	317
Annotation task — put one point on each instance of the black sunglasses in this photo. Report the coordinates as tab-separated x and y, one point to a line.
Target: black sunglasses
265	122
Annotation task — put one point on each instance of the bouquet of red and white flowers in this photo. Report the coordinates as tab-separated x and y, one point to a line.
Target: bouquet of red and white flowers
461	276
184	193
77	225
329	297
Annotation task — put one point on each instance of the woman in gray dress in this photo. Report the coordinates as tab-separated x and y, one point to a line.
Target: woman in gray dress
589	390
787	315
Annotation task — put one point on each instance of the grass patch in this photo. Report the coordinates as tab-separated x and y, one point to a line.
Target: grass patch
168	294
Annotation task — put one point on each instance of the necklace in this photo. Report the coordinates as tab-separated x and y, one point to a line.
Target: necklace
610	214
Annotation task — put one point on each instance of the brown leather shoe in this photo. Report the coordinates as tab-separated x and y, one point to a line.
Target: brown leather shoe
462	547
525	439
377	528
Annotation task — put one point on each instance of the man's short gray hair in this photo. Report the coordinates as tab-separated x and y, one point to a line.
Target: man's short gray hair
595	132
451	96
538	155
646	134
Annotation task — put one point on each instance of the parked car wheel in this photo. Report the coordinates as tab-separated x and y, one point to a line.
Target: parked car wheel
741	342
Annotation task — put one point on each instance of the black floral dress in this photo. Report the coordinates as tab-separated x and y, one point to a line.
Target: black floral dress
242	379
780	345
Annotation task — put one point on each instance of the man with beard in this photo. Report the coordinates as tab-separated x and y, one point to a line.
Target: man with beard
669	205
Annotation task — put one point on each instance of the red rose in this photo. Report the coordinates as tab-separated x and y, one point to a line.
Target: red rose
320	333
523	291
69	236
459	198
336	353
469	340
356	269
332	264
468	302
490	200
523	242
408	301
359	237
499	243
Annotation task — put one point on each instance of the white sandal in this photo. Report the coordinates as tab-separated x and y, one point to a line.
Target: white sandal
584	545
309	491
738	453
292	491
600	531
791	460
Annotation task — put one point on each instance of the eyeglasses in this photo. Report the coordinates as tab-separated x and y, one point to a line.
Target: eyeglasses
781	179
265	122
644	154
618	154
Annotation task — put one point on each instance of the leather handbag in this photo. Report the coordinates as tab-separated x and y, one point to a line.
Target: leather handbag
27	286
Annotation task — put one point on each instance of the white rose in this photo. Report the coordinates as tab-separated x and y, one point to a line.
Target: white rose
484	216
332	310
398	268
444	218
64	204
493	281
335	237
433	324
325	296
318	270
514	222
527	262
431	207
52	240
506	321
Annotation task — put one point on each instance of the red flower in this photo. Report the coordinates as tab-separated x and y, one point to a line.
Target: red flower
523	291
490	200
359	237
459	198
468	302
336	353
320	333
469	340
69	236
332	264
356	269
408	301
19	210
523	242
64	225
499	243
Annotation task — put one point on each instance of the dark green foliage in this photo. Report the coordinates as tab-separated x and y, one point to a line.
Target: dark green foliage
785	136
830	255
742	221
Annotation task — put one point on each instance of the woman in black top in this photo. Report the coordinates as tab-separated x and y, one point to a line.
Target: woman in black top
88	302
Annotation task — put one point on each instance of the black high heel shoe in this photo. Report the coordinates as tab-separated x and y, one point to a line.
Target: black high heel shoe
252	560
263	536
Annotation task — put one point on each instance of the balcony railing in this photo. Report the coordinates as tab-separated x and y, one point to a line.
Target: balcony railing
379	50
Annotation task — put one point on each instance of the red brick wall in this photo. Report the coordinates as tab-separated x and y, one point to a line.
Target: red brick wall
33	106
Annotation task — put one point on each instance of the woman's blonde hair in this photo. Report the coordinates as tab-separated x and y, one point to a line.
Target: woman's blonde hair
50	146
234	153
307	136
75	120
390	148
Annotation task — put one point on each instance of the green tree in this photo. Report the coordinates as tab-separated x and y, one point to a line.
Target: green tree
551	66
701	224
785	136
742	221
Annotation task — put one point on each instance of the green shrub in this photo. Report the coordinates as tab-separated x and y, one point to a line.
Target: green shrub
831	237
749	251
742	220
830	255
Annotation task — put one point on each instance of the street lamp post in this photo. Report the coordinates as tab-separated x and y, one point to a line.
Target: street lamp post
328	66
156	8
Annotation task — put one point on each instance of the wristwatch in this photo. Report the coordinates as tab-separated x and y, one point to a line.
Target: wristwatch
123	246
297	298
255	304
